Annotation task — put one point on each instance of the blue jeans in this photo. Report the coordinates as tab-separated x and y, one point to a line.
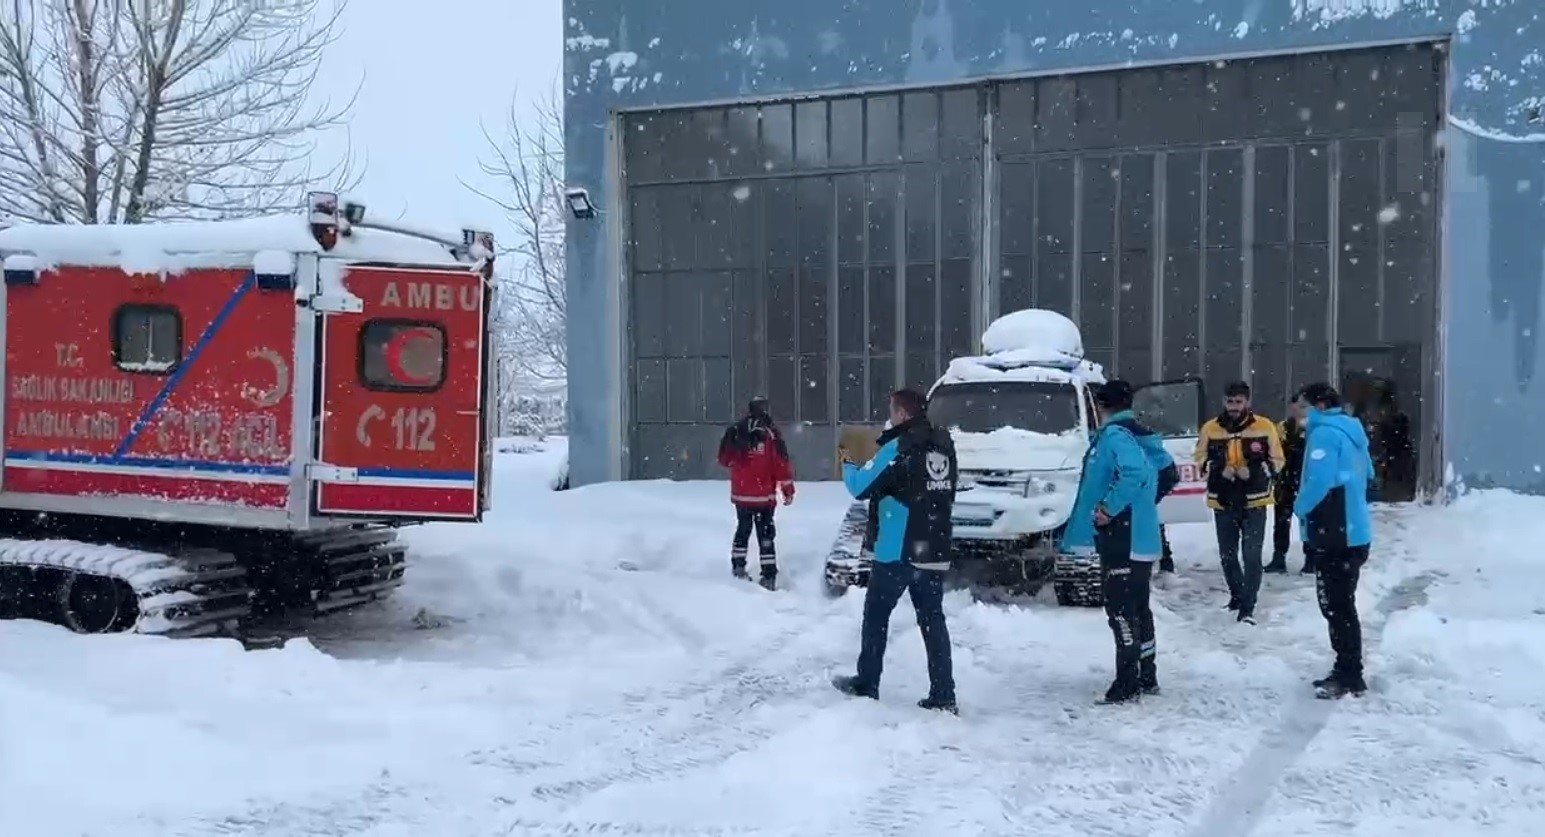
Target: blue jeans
887	581
1241	531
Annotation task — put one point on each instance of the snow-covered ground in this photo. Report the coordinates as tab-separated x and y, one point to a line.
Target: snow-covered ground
582	663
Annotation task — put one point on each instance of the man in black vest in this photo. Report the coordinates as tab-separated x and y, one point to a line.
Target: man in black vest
914	476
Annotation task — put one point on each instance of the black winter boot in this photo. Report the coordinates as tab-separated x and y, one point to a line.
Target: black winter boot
849	685
1277	564
1121	692
1340	685
938	705
1148	677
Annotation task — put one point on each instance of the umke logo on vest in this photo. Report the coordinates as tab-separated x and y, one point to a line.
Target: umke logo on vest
938	466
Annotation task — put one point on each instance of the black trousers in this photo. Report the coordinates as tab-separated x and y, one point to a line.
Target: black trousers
1127	585
1336	573
759	518
887	581
1281	525
1241	533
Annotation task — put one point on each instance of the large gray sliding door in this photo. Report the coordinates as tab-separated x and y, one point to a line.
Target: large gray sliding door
820	253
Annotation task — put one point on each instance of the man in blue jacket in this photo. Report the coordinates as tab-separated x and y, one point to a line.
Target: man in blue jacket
914	477
1116	515
1337	528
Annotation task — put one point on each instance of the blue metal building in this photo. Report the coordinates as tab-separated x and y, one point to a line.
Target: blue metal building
822	201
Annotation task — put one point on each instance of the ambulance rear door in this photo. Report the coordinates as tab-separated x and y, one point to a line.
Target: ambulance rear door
401	388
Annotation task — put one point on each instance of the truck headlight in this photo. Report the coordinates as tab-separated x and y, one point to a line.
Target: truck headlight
1051	483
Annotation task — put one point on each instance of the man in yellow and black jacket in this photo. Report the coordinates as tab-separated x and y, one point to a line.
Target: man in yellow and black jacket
1241	454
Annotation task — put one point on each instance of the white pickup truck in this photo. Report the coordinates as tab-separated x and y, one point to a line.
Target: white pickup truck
1021	418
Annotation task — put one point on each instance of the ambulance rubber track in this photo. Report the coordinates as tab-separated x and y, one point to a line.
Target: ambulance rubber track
845	565
358	565
197	592
1077	581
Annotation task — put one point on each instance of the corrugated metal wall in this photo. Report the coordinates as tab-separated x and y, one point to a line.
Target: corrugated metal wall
1273	219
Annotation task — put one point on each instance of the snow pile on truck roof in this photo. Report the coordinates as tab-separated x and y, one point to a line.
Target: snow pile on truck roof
171	247
1034	331
1029	345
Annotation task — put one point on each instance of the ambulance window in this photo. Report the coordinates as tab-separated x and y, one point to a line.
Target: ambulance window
402	355
147	338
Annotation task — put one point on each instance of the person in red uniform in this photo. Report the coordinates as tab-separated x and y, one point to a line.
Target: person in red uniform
760	470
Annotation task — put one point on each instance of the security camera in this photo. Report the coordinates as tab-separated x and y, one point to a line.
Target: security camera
579	203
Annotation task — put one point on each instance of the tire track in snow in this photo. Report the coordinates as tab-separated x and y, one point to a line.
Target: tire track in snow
336	818
660	733
721	679
1241	800
692	739
547	829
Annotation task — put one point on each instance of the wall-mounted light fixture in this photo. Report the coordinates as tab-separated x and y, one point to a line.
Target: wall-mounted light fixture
579	203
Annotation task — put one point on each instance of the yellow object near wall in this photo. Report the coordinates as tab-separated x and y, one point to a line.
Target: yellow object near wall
859	440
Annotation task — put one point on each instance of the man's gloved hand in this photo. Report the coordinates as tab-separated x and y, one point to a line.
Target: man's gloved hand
788	495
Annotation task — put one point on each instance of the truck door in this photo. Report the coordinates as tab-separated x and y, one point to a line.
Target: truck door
401	412
1176	410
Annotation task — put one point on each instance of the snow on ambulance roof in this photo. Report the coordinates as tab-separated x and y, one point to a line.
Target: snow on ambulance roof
1036	329
170	247
1029	345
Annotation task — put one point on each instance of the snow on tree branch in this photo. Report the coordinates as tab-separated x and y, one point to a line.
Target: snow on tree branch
128	110
525	165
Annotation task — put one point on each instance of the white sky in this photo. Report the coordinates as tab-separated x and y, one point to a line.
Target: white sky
427	80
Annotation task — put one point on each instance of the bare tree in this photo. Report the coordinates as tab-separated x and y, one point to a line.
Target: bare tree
526	165
127	110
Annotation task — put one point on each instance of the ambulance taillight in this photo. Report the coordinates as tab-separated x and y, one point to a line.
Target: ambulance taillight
324	218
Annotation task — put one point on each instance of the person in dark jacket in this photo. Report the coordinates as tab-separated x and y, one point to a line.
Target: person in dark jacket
760	470
914	476
1241	455
1291	431
1332	507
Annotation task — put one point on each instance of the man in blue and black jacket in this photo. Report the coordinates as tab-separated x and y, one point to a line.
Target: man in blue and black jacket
913	476
1337	528
1116	515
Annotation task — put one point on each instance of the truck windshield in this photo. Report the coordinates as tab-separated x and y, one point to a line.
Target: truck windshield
982	407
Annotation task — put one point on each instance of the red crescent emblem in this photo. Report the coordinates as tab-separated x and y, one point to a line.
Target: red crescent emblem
413	355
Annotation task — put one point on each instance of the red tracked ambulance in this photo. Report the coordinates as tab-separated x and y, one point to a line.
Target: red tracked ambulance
208	422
